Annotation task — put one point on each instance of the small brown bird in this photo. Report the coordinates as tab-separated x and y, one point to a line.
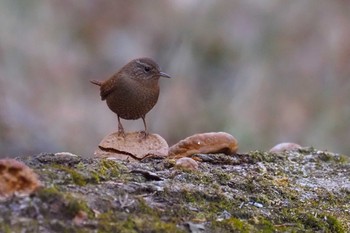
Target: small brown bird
133	91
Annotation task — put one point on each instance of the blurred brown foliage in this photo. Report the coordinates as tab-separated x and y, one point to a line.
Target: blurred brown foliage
265	71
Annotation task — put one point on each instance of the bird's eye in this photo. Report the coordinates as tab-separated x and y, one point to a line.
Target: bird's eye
147	68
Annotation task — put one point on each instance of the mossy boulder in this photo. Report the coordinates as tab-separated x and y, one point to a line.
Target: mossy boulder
298	191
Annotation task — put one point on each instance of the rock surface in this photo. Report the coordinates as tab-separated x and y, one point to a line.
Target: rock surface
293	191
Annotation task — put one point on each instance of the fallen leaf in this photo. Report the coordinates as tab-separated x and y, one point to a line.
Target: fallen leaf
133	147
215	142
17	177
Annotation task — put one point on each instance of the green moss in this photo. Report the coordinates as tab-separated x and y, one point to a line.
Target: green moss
219	203
151	224
75	205
146	209
321	222
343	159
109	222
80	166
307	150
83	174
50	193
69	205
265	226
177	212
61	226
222	177
77	178
95	178
109	168
288	215
334	225
201	178
231	225
314	223
209	204
326	157
129	226
6	228
260	156
32	226
169	163
191	196
331	157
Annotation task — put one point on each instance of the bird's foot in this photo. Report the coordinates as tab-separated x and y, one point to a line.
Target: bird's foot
143	135
121	133
120	129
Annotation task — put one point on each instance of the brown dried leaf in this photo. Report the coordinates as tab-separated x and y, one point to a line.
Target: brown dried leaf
215	142
285	146
133	147
16	177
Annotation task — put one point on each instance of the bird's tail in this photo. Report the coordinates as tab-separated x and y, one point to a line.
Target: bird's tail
98	83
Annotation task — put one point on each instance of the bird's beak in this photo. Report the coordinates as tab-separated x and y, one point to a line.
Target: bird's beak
162	74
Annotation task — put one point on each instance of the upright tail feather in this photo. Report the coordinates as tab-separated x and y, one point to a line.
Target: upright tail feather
98	83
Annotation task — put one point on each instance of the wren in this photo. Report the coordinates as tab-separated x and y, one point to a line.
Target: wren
133	91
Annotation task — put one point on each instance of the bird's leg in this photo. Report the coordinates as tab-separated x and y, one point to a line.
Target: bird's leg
145	133
120	128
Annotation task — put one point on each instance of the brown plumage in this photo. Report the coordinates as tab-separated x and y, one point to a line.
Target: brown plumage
133	91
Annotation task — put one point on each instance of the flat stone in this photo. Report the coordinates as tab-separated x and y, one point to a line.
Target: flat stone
133	147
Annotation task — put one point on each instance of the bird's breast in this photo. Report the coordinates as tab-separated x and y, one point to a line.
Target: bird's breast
132	100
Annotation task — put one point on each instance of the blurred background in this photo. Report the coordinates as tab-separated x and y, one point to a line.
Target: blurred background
265	71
